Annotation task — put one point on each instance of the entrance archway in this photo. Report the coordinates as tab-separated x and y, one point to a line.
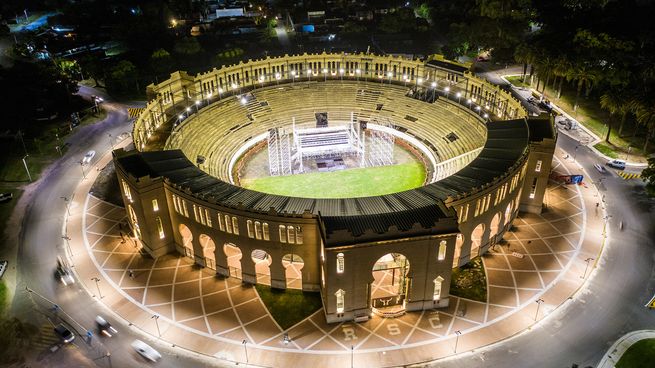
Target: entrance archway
476	240
390	284
187	239
293	265
233	255
262	262
208	249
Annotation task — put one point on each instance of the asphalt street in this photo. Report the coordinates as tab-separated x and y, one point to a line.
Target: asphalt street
611	304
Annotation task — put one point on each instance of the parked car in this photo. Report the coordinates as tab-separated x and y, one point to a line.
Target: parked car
64	273
88	157
64	334
617	164
105	327
146	351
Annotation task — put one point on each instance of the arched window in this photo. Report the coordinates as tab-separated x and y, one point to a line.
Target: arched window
160	228
235	226
283	233
265	231
341	263
291	234
442	250
228	227
251	232
221	225
299	237
258	230
437	288
341	298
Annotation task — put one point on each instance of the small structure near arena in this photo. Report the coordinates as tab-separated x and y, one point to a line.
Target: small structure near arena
327	144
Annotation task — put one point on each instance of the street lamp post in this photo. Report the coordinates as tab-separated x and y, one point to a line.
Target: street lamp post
83	173
66	201
111	142
26	169
293	77
197	104
352	356
459	97
434	90
341	71
245	348
389	74
575	153
457	333
277	78
97	280
447	90
156	318
586	267
325	71
68	245
309	75
538	301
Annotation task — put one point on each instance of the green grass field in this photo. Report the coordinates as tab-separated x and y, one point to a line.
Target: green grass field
362	182
640	354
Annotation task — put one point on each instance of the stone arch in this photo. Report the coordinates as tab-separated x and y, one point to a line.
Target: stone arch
293	265
476	240
390	284
208	250
233	255
262	261
187	240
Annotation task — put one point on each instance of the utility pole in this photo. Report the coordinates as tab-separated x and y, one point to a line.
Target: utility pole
26	169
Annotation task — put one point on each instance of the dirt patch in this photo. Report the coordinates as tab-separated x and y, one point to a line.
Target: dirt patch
106	186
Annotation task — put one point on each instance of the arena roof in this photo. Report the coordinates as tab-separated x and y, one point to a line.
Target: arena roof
507	142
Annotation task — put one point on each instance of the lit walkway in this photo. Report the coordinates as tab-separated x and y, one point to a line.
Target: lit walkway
544	259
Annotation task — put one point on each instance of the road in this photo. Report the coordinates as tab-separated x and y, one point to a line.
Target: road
610	306
41	243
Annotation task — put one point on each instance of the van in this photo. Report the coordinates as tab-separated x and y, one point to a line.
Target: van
617	164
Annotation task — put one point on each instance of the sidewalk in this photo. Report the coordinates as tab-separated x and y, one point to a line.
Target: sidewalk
382	342
582	134
616	351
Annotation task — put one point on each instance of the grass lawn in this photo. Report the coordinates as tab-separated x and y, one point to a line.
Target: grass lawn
361	182
606	150
469	281
3	298
290	306
640	354
517	80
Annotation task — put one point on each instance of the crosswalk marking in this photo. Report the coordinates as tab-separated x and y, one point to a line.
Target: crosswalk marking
134	112
46	338
628	175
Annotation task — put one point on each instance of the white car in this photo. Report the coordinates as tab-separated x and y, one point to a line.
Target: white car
146	351
88	157
600	168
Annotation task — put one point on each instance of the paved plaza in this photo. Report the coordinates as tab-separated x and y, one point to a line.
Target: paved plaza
543	258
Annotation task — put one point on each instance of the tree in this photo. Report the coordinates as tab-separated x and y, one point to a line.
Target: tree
93	67
584	75
15	338
614	102
121	77
645	114
560	68
187	46
648	175
161	61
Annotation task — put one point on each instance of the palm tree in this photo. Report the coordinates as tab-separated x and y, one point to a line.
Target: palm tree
546	64
614	101
584	75
524	55
560	68
645	114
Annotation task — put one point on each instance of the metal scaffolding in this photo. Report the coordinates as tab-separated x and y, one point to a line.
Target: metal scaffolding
380	143
279	152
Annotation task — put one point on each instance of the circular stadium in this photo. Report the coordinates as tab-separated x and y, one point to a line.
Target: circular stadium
365	178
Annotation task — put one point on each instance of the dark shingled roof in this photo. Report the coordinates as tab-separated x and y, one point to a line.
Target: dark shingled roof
447	65
541	128
507	141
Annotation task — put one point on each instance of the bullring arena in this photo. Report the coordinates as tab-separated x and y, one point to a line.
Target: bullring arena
381	263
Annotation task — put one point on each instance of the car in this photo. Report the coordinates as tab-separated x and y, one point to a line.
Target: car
88	157
601	169
6	197
64	333
616	164
64	273
146	351
105	327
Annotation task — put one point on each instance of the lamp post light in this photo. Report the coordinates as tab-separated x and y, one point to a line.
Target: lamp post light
358	72
434	89
538	301
478	108
220	92
197	104
234	86
457	333
486	116
293	77
245	348
261	81
469	101
341	71
405	80
352	356
575	153
97	280
277	78
459	97
325	74
156	318
309	74
83	173
447	90
586	267
389	74
26	169
111	142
